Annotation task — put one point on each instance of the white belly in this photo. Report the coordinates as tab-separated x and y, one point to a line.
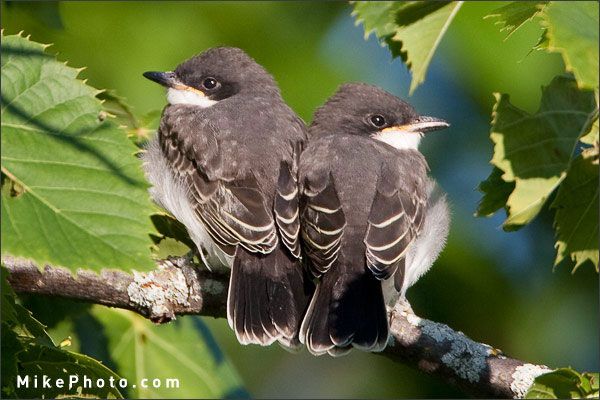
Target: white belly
172	195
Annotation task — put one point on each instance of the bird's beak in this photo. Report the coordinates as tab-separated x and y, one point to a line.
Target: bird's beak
170	81
167	79
420	124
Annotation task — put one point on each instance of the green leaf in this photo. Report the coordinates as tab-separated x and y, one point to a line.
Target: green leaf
60	364
577	216
28	351
10	346
168	247
534	150
182	349
515	14
412	29
572	29
174	240
496	193
593	380
139	128
591	138
169	227
377	16
73	192
563	383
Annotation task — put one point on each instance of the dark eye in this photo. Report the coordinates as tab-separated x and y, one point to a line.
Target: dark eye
210	83
378	120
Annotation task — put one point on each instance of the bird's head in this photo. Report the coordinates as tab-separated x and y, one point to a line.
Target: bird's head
214	75
367	110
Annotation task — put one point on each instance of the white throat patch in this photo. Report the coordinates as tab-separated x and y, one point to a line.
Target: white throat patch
189	97
400	138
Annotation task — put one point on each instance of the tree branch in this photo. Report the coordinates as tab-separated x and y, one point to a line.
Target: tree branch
179	287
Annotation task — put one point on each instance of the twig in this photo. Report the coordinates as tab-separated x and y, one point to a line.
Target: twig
180	287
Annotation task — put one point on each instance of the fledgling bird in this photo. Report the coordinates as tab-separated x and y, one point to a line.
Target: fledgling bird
224	163
368	213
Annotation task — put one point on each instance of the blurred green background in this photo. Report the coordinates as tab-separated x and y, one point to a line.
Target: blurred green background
496	287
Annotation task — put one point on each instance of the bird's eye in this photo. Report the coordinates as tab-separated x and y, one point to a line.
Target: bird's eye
210	83
378	120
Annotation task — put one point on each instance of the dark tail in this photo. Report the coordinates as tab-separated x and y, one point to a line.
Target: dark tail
268	295
346	311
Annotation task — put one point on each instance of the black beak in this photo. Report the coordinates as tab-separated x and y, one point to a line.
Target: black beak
425	124
167	79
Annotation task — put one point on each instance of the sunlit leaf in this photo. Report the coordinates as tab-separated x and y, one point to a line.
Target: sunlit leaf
73	192
572	30
377	16
515	14
412	29
577	213
534	150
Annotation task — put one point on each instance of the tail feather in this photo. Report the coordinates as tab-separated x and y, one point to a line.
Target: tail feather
268	294
346	311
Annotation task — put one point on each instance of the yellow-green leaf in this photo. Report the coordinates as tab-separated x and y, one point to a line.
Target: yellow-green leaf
572	30
515	14
534	150
577	213
411	29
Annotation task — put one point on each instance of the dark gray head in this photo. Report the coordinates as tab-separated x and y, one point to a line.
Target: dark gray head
214	75
367	110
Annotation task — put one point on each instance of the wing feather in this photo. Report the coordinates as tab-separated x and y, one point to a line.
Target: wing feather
395	220
233	211
287	210
322	225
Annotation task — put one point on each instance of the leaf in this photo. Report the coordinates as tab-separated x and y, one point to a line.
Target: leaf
82	200
577	216
412	29
169	227
139	128
168	247
173	240
182	349
591	138
543	42
57	364
10	346
516	14
534	150
563	383
593	379
572	29
377	16
496	193
28	351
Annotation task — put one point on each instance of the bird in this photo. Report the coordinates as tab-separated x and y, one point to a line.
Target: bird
370	217
224	163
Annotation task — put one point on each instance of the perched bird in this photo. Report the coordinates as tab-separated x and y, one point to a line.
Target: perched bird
368	212
224	163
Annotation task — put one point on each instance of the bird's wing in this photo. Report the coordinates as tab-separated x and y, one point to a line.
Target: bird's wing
395	220
233	211
286	203
322	222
